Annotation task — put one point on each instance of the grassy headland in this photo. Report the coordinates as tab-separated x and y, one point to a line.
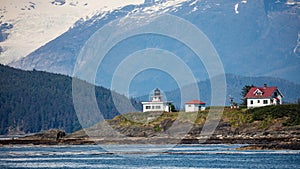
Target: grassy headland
272	127
269	118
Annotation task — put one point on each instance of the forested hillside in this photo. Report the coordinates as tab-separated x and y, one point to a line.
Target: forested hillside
32	101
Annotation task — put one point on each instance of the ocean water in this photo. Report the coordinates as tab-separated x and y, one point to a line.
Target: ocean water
146	157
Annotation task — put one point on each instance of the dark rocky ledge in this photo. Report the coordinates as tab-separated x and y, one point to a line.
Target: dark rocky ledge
254	142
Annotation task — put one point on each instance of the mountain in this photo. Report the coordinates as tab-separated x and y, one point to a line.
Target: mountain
33	23
252	38
32	101
234	85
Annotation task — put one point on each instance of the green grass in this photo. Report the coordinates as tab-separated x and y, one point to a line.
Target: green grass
157	128
267	122
291	112
259	118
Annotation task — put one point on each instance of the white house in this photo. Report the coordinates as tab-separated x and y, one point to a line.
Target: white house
194	105
156	103
263	96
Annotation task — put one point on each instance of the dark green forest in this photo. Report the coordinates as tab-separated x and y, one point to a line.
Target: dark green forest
33	101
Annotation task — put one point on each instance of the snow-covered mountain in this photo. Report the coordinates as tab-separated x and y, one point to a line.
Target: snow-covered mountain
26	25
252	38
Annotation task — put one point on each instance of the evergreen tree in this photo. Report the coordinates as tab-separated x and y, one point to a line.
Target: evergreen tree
244	92
172	108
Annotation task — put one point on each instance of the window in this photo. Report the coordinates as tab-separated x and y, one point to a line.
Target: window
251	101
157	107
190	105
258	101
258	92
265	101
148	107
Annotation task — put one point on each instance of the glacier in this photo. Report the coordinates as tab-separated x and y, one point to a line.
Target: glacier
36	22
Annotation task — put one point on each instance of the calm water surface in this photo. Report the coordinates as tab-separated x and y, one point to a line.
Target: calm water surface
145	156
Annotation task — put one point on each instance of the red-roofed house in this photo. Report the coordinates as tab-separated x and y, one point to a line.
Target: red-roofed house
263	96
194	105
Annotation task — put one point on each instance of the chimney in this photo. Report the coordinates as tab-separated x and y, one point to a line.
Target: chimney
265	86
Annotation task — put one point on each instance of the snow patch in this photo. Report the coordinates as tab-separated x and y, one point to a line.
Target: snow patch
193	3
236	7
195	9
163	7
292	2
297	48
45	21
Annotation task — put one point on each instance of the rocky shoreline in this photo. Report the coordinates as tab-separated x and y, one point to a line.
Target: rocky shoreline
280	129
252	142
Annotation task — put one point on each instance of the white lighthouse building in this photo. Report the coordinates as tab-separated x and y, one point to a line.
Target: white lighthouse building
156	103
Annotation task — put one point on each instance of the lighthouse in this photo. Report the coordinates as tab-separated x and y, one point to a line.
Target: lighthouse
156	103
156	97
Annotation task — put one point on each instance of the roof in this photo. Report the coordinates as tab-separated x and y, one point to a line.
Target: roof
195	102
266	92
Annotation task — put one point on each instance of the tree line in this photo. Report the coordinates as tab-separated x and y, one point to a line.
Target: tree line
33	101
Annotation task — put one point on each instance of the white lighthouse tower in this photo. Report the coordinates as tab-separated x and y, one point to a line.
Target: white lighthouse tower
156	97
156	103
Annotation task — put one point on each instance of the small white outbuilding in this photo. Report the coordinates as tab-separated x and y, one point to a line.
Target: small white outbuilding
194	105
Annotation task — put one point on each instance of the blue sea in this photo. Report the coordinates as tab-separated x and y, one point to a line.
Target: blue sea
145	156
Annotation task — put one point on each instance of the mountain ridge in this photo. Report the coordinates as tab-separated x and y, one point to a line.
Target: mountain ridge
244	40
